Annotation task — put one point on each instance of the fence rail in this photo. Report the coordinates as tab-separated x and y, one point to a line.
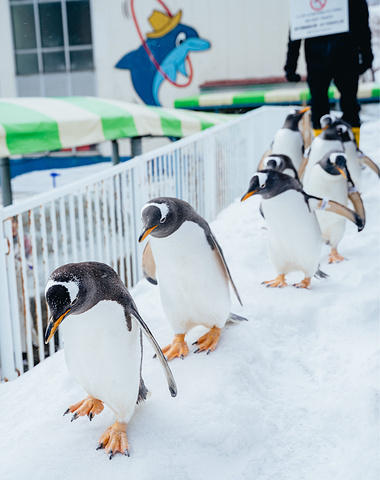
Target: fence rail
98	218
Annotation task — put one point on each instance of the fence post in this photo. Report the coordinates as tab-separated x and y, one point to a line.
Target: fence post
210	187
7	362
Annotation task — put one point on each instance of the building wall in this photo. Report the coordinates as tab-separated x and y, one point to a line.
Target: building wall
7	64
248	39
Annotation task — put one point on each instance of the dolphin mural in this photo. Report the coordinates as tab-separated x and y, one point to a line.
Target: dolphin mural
169	44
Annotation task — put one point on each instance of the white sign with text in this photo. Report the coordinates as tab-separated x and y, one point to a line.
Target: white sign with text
315	18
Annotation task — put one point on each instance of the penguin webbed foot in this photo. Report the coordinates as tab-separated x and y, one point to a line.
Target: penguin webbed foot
335	257
178	348
305	283
279	282
208	341
114	440
89	406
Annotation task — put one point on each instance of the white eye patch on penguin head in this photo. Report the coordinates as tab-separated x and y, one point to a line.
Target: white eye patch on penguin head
154	216
326	120
160	210
342	128
272	162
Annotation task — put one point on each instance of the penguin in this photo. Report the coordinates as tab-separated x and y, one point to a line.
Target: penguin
331	178
294	236
288	140
329	140
193	276
102	343
281	163
356	159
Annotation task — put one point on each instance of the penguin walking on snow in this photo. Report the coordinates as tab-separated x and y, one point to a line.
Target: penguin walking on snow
330	178
329	140
356	159
103	344
193	276
288	140
294	236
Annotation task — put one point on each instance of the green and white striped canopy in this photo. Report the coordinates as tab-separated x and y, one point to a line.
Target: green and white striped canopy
37	124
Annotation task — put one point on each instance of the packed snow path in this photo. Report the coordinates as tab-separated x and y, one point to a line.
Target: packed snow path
291	394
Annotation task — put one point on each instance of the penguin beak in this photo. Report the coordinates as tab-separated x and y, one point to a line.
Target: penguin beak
342	172
304	110
145	233
249	194
53	325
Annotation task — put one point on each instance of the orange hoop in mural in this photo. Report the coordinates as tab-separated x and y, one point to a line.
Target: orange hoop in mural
150	54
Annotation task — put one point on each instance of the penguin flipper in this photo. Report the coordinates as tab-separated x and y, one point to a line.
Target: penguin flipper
371	164
149	265
220	257
303	165
357	202
317	203
168	373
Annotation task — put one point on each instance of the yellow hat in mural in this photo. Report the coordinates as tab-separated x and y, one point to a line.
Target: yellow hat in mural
162	23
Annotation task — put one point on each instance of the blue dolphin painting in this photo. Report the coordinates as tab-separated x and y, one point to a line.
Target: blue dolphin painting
169	43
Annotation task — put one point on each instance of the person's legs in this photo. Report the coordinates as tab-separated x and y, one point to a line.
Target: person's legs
319	76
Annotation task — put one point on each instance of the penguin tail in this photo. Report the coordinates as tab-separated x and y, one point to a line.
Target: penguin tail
143	392
320	274
233	318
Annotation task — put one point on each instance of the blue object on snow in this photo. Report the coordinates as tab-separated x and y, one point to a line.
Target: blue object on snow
54	175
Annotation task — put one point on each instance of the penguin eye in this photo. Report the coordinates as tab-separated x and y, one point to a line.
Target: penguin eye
163	220
74	301
181	37
263	185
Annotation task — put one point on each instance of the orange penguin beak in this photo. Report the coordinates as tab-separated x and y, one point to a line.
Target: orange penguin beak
53	325
247	195
145	233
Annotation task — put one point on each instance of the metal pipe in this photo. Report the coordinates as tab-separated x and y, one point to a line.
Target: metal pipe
136	146
6	186
115	153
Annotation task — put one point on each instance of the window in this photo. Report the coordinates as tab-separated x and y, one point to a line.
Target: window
52	36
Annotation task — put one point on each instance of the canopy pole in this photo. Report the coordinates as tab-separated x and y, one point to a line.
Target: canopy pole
136	146
6	186
115	153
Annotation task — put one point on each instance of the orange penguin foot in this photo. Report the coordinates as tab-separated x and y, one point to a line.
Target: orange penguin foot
304	284
209	341
178	348
114	440
279	281
334	256
90	406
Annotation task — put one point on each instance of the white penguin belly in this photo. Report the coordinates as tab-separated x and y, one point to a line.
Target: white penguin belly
294	237
104	356
289	142
334	187
194	289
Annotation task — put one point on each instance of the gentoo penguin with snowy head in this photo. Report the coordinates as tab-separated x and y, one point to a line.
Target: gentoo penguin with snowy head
193	276
356	159
330	178
281	163
329	140
294	236
103	345
288	140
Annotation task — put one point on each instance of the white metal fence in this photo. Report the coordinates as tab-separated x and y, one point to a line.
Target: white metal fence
98	218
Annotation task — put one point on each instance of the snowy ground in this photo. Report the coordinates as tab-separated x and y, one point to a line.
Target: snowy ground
293	394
